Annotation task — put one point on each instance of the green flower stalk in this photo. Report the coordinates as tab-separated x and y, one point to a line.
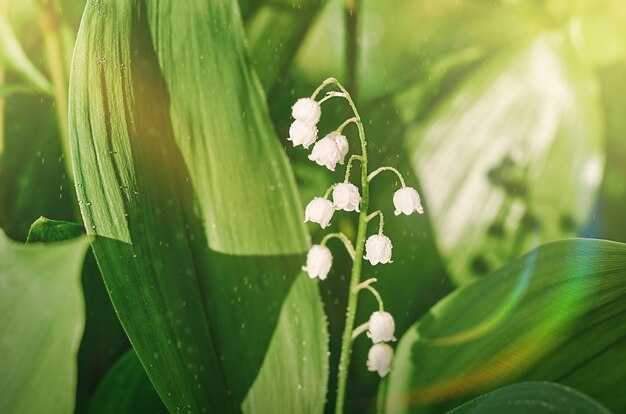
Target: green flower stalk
330	151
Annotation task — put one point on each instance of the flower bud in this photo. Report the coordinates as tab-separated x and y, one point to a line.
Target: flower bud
318	262
381	327
306	110
301	133
319	210
346	197
378	249
379	358
342	145
406	200
326	153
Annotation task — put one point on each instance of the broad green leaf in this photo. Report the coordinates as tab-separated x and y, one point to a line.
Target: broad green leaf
12	56
41	324
491	158
199	234
126	389
104	340
532	397
553	315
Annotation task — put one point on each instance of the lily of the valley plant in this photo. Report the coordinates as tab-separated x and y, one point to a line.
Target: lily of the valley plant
328	152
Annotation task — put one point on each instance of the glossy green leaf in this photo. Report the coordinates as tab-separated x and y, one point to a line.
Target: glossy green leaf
128	379
491	157
199	231
12	56
126	389
553	315
42	321
532	397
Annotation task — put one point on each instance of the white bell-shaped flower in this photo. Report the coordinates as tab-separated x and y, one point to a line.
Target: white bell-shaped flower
342	145
379	358
301	133
406	200
306	110
381	327
346	197
326	153
378	249
318	262
319	210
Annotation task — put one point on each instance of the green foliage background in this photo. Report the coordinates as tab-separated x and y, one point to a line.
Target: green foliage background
507	116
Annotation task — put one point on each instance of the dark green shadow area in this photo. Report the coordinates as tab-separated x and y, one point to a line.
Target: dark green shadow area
242	297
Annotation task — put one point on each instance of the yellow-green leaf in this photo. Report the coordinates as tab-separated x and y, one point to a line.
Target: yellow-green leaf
41	322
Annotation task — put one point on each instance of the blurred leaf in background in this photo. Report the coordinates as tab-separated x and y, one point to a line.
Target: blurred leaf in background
497	149
42	320
34	167
611	223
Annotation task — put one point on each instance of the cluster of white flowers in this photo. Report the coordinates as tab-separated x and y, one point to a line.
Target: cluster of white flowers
328	152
